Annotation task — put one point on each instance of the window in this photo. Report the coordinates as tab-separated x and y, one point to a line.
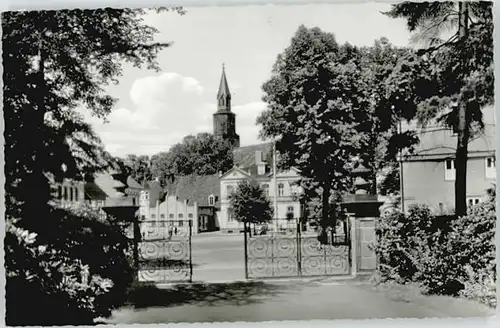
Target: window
181	216
65	193
59	192
230	190
289	209
71	194
143	217
471	201
153	216
491	170
181	223
171	216
190	215
162	224
133	201
211	200
449	169
281	189
265	186
162	216
153	223
76	194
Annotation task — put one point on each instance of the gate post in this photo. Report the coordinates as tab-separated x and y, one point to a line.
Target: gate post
246	248
298	241
190	251
353	245
363	208
136	239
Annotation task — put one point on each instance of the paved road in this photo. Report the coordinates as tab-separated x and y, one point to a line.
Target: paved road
259	301
218	257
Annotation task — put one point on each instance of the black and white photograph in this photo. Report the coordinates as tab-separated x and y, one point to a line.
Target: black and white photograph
253	162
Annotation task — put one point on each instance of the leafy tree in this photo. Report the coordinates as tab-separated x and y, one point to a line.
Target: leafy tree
250	204
139	167
202	154
460	69
380	120
54	63
312	99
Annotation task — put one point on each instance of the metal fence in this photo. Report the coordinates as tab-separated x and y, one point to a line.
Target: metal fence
164	251
291	252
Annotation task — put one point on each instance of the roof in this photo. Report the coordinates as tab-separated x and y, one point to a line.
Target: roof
103	186
106	187
245	156
132	183
438	142
223	86
195	188
156	192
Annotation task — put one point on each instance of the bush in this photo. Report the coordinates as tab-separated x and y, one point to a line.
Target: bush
74	270
444	255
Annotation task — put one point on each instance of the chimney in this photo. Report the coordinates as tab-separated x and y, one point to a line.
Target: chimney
261	166
258	157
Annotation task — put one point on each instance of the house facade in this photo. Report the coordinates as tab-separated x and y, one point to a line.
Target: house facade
429	174
287	193
171	216
189	198
69	193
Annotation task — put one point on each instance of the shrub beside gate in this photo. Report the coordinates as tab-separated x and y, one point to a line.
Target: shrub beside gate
444	255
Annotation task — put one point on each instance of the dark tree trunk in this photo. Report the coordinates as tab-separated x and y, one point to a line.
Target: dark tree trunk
462	127
325	208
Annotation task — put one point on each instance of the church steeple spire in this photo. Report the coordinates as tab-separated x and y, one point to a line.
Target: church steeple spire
224	95
224	119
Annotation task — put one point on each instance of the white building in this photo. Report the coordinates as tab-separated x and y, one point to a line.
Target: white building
287	194
169	217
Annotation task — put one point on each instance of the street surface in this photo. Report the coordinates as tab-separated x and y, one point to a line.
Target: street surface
218	257
285	300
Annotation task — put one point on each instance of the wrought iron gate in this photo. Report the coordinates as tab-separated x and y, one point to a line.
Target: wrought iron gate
291	252
164	251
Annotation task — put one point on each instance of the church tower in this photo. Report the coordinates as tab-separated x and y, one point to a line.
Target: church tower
224	119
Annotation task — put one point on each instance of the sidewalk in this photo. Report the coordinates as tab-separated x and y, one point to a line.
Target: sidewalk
284	300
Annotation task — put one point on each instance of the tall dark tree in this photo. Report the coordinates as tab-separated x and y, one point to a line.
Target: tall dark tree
381	118
312	100
462	65
56	62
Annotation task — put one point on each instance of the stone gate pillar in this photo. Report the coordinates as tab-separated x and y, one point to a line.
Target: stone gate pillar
363	211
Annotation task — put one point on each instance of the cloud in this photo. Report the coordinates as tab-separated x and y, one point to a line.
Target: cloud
246	117
159	111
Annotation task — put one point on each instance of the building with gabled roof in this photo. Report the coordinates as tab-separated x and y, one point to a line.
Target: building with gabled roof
429	172
288	192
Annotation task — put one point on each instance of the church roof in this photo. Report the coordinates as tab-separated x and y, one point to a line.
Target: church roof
223	86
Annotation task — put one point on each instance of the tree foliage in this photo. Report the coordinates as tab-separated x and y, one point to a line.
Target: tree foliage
56	62
444	255
313	99
455	80
250	204
202	154
139	167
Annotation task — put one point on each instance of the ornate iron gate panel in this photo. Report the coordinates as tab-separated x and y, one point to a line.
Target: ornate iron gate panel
293	253
164	251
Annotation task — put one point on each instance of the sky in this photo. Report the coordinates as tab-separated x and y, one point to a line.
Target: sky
156	110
